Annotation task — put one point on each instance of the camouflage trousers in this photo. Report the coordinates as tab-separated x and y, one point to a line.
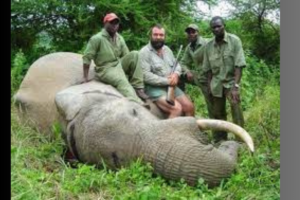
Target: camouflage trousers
125	77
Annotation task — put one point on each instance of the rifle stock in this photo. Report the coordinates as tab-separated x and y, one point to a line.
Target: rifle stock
171	89
171	95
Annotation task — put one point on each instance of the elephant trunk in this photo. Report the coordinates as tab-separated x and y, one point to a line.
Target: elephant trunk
184	156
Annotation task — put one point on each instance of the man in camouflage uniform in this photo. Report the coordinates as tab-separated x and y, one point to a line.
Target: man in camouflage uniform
115	65
223	61
157	60
191	63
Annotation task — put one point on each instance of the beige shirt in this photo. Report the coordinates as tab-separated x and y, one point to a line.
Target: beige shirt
157	68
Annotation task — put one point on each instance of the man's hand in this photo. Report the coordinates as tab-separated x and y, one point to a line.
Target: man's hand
189	76
235	95
173	79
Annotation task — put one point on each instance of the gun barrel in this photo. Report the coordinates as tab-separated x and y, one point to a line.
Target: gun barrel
176	61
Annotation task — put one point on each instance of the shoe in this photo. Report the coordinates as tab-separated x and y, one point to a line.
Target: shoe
141	94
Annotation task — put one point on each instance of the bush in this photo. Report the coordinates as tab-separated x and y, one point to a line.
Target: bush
18	71
264	116
255	76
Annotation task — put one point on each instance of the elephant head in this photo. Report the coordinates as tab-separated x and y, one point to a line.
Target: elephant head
101	125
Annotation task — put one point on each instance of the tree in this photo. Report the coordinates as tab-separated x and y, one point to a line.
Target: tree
264	32
71	22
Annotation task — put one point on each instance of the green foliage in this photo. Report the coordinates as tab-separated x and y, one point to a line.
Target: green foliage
250	21
263	38
72	23
43	45
18	70
256	75
265	114
197	98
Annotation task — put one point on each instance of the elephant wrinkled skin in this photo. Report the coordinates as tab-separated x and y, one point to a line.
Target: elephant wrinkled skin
100	124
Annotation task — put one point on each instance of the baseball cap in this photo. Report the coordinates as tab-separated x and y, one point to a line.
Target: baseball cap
109	17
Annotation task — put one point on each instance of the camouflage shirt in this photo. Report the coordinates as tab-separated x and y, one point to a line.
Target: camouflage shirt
156	68
222	59
105	50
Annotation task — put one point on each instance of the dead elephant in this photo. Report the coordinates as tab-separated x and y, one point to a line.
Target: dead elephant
100	124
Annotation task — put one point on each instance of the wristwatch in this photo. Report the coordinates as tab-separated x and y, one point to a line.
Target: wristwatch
236	85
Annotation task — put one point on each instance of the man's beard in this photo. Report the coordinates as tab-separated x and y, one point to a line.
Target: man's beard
157	44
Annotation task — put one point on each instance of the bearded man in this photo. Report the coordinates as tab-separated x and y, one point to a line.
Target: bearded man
157	60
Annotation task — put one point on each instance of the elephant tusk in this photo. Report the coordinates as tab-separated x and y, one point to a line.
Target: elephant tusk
220	125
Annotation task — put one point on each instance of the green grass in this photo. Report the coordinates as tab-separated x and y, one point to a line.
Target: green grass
38	171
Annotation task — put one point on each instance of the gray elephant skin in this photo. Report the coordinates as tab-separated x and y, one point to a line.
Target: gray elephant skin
99	124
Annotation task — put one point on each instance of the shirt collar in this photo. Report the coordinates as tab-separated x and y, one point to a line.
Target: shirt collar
225	39
106	34
199	41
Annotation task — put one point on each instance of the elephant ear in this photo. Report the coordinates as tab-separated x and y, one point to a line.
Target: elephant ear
68	104
70	101
50	74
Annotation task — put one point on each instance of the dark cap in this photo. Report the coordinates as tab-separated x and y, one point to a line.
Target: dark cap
192	26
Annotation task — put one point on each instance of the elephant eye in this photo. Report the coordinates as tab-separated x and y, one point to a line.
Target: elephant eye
134	112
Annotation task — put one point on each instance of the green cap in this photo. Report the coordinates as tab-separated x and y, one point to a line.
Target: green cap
192	26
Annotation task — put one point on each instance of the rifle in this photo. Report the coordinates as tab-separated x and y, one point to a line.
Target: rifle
171	89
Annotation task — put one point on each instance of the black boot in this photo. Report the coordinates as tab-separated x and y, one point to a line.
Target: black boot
141	94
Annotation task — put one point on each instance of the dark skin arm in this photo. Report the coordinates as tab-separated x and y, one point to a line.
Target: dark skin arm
235	90
86	68
237	75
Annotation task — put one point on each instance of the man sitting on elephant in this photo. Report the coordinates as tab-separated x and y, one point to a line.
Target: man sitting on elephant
115	65
156	60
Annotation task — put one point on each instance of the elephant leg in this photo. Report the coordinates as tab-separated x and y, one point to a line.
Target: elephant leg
230	148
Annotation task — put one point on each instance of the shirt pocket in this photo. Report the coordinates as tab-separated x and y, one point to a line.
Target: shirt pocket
169	62
215	63
158	68
228	57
